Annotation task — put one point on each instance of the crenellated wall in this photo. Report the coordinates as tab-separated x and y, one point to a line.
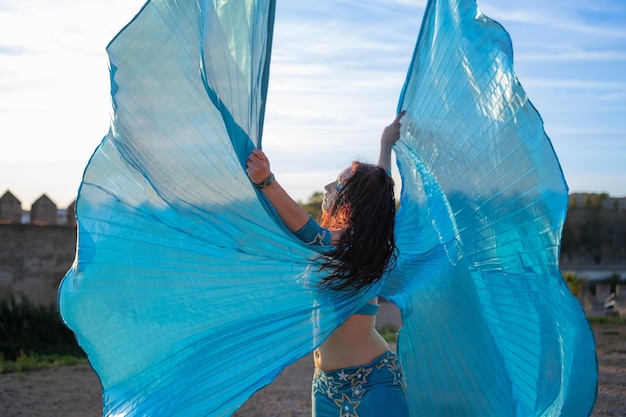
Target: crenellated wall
43	211
38	247
34	259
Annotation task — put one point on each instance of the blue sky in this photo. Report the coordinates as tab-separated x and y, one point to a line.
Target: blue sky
337	70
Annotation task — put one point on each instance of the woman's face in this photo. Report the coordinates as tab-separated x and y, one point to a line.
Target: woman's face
334	187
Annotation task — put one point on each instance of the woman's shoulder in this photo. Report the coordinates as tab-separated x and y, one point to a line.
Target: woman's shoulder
336	236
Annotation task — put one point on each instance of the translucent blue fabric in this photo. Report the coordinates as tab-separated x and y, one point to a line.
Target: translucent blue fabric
182	267
181	270
490	327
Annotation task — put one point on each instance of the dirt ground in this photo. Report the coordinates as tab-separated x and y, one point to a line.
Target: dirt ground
74	391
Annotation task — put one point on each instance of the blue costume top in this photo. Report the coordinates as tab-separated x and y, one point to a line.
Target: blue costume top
313	234
368	309
180	260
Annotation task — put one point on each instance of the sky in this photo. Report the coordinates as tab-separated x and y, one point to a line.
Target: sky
337	70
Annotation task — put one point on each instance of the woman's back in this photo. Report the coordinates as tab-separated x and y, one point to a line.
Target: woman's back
354	343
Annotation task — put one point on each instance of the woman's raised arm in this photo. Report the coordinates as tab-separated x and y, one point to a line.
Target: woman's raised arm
390	136
291	213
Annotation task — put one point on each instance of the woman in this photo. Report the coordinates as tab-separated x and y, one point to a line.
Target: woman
355	372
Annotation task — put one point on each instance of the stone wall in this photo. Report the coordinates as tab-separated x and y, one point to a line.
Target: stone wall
34	259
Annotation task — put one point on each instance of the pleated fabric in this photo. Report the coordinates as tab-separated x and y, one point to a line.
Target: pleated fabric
490	327
188	294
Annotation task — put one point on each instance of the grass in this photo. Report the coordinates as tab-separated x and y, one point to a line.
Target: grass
32	362
608	320
389	333
610	339
34	337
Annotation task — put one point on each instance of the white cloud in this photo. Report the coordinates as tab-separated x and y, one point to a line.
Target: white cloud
578	84
337	71
562	54
54	101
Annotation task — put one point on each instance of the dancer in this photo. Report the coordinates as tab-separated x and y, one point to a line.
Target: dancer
355	371
181	273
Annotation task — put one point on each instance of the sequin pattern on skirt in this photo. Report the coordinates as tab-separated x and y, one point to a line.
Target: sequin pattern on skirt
361	391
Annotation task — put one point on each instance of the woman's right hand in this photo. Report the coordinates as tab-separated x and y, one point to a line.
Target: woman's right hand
258	169
258	166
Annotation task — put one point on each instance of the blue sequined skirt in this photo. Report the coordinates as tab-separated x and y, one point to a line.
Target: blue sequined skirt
372	390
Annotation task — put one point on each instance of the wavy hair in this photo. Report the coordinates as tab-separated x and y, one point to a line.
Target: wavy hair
365	209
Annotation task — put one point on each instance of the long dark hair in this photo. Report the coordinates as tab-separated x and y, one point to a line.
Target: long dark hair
365	209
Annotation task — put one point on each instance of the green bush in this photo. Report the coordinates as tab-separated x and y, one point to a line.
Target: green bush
573	282
607	320
28	330
389	333
26	363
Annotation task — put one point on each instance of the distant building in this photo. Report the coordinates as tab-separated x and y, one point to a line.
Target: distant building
10	208
615	204
43	211
597	200
70	214
595	230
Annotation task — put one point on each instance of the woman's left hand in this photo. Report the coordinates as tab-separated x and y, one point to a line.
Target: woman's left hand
258	166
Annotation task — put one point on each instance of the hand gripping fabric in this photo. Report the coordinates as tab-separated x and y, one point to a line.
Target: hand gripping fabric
490	327
188	295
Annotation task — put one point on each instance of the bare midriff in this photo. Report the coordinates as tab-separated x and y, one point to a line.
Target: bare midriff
355	343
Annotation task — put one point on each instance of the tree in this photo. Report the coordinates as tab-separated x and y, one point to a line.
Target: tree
573	282
314	205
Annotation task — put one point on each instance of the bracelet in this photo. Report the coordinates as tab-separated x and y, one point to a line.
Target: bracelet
265	183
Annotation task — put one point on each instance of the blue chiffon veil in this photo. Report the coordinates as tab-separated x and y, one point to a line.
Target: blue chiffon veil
182	266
